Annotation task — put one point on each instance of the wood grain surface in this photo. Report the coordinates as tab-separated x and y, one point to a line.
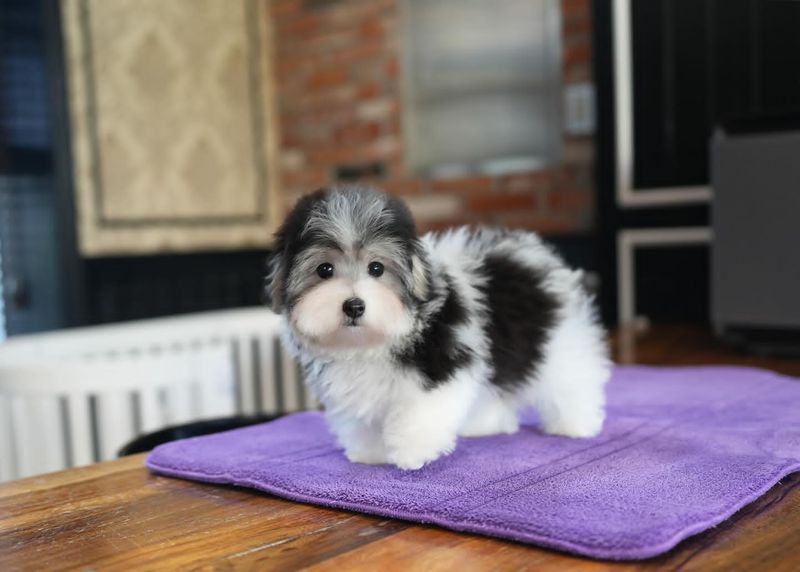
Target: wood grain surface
117	516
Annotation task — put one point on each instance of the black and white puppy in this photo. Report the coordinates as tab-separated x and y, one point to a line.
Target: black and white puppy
410	342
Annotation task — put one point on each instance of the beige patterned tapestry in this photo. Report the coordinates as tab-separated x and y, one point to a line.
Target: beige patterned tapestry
172	127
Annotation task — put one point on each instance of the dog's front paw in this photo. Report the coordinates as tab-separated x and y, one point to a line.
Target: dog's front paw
366	456
411	458
576	427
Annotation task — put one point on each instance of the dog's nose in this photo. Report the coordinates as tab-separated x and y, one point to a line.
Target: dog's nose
354	307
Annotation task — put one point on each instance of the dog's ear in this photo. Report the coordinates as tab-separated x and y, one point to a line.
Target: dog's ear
275	282
420	273
284	248
403	225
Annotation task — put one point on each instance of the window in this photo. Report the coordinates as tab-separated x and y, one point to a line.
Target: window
482	85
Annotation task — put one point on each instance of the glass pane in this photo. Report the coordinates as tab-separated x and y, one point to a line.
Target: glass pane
483	82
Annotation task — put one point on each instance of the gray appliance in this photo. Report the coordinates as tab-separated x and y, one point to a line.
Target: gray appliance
755	274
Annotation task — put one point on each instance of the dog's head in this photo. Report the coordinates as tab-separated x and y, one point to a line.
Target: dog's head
348	270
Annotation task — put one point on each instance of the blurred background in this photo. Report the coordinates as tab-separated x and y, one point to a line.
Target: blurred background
149	148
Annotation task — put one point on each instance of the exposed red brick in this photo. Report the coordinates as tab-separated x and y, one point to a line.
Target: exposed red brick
578	27
286	72
579	53
303	134
304	179
358	132
465	184
570	199
577	73
319	46
398	169
393	67
334	99
546	225
564	179
526	182
327	78
337	70
283	8
292	159
318	117
303	26
290	139
348	13
578	150
394	124
572	8
577	176
441	225
331	156
372	28
369	90
386	147
377	109
502	202
357	54
403	186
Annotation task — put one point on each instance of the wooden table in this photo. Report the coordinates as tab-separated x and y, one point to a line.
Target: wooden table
116	515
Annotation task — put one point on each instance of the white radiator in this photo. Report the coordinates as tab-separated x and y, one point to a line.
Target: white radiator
73	397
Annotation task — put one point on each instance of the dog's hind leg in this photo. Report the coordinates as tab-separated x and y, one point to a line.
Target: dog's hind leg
490	415
569	386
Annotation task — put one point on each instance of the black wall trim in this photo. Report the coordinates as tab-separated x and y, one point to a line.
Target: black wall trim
139	287
74	310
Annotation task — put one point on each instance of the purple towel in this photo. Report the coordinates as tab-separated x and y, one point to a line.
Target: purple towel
682	450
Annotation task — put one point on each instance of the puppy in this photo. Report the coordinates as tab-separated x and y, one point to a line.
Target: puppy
410	342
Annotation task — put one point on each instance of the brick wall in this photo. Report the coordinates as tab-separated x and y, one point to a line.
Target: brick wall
337	66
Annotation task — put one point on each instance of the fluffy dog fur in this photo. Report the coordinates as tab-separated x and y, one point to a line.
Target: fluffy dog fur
459	330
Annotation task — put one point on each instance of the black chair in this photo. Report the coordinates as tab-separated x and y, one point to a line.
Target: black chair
145	443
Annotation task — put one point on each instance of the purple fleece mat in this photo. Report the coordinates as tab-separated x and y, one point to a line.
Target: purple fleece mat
682	450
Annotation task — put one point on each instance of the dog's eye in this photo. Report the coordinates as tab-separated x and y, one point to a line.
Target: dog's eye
325	270
375	269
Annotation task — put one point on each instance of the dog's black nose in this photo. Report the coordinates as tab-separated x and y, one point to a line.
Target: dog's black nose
354	307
